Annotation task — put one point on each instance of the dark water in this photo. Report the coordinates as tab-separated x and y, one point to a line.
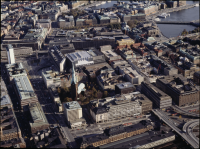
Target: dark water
184	15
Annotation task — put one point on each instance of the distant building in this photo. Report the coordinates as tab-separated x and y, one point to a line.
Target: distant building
39	121
159	98
124	88
73	114
179	89
66	22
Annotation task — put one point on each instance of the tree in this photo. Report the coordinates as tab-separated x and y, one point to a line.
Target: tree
66	99
95	95
59	90
105	94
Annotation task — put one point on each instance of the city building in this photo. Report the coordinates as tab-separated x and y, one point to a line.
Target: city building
130	75
109	54
97	56
115	108
160	99
51	78
58	58
144	140
196	77
77	59
14	70
49	139
19	52
10	130
10	54
108	79
56	99
73	114
74	84
119	63
38	119
85	20
94	70
66	21
181	91
24	90
127	53
114	134
124	88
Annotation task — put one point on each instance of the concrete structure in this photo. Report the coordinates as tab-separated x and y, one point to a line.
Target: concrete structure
54	95
97	56
144	140
58	58
94	70
51	78
120	106
14	70
159	98
66	22
24	90
114	134
109	54
179	89
131	75
10	54
81	58
196	77
39	121
108	79
124	88
73	114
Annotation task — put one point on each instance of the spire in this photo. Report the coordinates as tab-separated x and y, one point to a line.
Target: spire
73	75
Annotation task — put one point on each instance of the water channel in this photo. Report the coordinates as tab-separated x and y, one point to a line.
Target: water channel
169	30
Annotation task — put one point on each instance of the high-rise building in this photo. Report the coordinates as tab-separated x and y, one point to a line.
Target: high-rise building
10	54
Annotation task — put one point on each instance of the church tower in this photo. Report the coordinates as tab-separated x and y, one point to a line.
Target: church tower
74	84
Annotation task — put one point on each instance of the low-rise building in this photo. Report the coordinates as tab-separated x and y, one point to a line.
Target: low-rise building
38	119
110	55
124	88
66	22
94	70
130	75
179	89
159	98
108	79
51	78
73	114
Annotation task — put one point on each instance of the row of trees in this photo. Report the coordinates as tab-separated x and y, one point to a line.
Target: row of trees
114	26
185	32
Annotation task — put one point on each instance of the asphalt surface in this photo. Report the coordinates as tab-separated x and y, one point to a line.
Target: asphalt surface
171	124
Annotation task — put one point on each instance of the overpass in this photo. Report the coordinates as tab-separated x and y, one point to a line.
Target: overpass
177	22
176	108
186	136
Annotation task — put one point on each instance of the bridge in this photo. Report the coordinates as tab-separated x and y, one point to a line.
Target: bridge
185	135
178	22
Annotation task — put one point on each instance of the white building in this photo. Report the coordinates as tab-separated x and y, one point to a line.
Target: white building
80	58
73	114
10	54
114	108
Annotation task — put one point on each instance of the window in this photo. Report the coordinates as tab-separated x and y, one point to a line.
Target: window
100	117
